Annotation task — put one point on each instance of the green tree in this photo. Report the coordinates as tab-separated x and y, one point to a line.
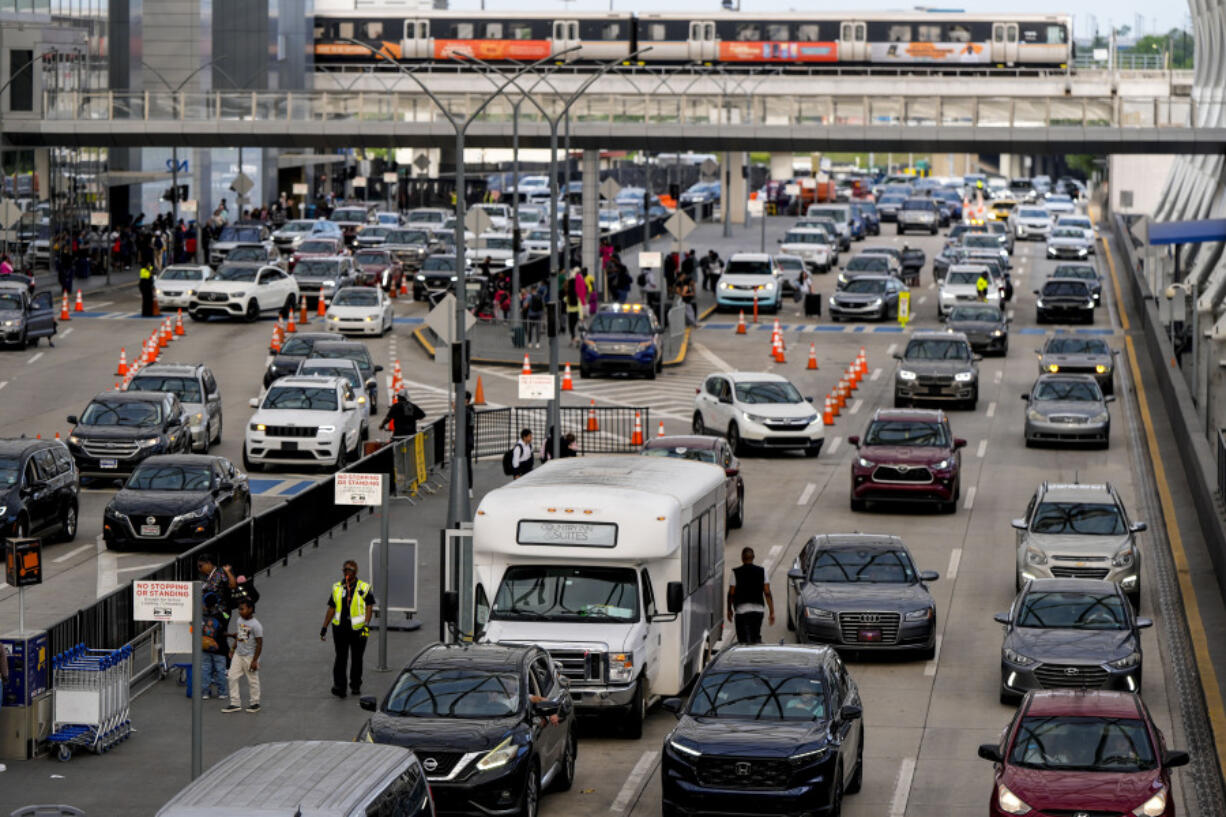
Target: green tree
1180	44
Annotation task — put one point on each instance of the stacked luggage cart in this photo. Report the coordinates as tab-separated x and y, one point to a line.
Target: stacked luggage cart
91	699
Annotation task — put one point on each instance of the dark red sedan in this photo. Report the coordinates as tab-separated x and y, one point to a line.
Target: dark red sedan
317	248
377	267
907	455
1091	752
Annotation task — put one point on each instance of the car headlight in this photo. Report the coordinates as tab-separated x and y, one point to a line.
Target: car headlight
1153	807
328	316
725	285
4	509
906	374
370	319
1008	802
943	465
1101	417
1035	416
1035	556
1052	367
842	278
1015	657
998	333
1082	251
964	377
681	747
74	439
199	513
811	419
197	418
156	292
591	344
925	614
148	441
257	426
1130	660
499	756
1101	369
327	429
755	418
239	294
419	277
621	667
875	302
1038	302
1124	557
645	345
818	614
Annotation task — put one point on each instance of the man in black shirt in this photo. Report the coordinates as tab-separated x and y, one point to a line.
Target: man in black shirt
747	591
403	416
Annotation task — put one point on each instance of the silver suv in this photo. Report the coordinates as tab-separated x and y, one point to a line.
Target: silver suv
919	214
1079	531
937	366
196	388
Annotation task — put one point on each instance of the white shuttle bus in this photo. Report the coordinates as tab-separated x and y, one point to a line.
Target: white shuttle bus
615	566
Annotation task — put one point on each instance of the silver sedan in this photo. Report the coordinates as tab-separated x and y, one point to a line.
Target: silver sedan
1068	408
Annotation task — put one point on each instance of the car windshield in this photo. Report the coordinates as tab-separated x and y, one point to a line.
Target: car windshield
847	565
11	300
1081	518
298	346
356	297
247	254
835	214
962	277
297	226
244	234
426	216
318	247
868	207
681	452
1059	199
745	266
406	237
937	349
1032	212
621	324
370	257
454	693
349	214
789	262
497	243
866	286
759	696
301	398
1083	744
869	263
1075	390
917	204
439	263
236	274
1064	345
767	391
587	594
1064	288
892	198
187	389
376	232
1068	232
316	268
1004	205
981	240
889	252
1075	221
989	314
181	274
906	432
1078	271
1076	611
155	476
315	369
122	413
539	235
358	354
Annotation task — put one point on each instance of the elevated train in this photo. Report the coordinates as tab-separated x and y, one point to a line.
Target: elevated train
864	39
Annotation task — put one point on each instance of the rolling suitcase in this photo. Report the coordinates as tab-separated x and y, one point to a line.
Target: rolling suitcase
813	304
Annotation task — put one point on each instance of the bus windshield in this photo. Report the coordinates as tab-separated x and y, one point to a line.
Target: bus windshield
555	593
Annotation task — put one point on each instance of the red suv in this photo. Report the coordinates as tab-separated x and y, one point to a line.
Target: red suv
907	455
1082	752
317	248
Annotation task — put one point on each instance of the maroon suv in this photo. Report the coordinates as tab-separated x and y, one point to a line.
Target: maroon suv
317	248
378	267
1087	752
907	455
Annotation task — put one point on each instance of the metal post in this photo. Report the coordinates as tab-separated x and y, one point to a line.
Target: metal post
1195	342
197	680
725	200
554	435
762	240
458	507
385	511
21	606
174	187
515	305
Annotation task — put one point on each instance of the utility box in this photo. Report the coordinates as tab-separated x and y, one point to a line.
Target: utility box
25	719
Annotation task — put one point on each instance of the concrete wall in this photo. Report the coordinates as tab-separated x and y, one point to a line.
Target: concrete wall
1132	185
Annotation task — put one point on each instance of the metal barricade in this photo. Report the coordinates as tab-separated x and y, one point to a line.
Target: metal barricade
92	699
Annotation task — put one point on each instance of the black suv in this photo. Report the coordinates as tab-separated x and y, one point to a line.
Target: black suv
38	489
118	430
493	725
356	351
767	730
295	350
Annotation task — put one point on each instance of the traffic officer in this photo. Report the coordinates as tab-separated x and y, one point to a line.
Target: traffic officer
981	286
350	607
146	290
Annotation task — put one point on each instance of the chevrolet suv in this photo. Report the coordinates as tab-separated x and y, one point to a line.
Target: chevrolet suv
304	420
622	337
907	455
937	366
1079	531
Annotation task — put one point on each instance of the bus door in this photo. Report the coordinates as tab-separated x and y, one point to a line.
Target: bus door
853	45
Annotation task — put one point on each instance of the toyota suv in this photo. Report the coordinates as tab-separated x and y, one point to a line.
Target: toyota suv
196	388
304	421
622	337
908	455
1079	531
937	366
118	430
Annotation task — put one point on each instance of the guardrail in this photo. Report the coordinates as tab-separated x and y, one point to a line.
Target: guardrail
498	429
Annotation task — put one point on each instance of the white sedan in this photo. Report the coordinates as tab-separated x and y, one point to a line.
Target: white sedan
359	310
176	285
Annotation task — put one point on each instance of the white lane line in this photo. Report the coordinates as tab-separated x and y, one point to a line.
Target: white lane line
922	299
902	787
66	332
970	498
718	361
992	409
768	564
72	553
856	407
876	374
34	359
930	667
807	494
983	447
955	556
834	445
630	788
149	566
99	305
3	383
999	376
891	349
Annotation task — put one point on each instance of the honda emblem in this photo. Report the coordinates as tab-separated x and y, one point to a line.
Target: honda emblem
742	769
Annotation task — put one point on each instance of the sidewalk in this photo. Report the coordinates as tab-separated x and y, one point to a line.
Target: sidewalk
140	775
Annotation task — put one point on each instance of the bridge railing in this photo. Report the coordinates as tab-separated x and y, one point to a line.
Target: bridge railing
649	109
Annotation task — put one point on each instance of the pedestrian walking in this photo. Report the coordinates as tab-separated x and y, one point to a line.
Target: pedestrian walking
535	312
350	607
245	659
214	648
748	591
402	416
573	305
522	458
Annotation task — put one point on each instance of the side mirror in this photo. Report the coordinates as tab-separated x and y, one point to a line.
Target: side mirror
368	703
929	575
1174	758
72	418
977	358
990	751
1020	524
1138	527
810	399
796	573
378	369
1035	291
1026	396
254	402
174	422
450	607
673	705
226	486
898	355
959	443
1110	398
854	439
546	708
1001	618
675	597
850	712
1144	623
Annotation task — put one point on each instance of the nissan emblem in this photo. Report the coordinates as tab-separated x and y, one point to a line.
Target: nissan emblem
429	764
151	520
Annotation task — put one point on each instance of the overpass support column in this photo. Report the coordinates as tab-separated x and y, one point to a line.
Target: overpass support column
590	253
733	196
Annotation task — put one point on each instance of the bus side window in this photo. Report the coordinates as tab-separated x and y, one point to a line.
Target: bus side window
482	608
698	569
649	597
686	556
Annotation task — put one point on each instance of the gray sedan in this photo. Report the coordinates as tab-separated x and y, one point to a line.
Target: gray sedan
1067	408
1070	634
985	326
1072	354
1068	242
874	296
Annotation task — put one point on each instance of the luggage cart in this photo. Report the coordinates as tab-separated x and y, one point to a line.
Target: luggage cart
91	699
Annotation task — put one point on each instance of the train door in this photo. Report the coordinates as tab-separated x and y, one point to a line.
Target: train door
416	44
853	45
702	47
1004	43
566	35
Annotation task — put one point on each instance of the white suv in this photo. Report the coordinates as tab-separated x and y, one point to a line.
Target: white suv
757	409
304	421
244	291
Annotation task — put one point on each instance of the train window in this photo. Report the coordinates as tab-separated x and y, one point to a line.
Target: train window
929	33
493	31
859	32
462	31
346	29
808	32
748	32
611	31
656	32
374	29
1055	34
998	34
521	31
899	34
958	34
777	32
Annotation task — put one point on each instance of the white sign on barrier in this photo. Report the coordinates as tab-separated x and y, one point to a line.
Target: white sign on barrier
536	387
358	489
161	601
652	260
300	189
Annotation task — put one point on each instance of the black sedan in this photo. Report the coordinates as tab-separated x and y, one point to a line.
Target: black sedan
859	591
176	501
714	450
493	725
767	730
296	349
985	326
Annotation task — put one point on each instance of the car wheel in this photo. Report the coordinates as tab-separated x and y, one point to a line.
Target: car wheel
532	794
651	373
636	713
196	316
791	624
342	456
1008	698
253	311
698	426
738	518
974	401
68	527
813	450
857	777
734	440
217	438
584	372
898	230
248	465
566	776
289	305
928	653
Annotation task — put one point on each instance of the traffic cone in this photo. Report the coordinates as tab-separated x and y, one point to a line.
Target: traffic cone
812	365
179	330
740	324
162	341
780	356
777	329
592	423
57	435
840	394
660	429
863	361
321	308
157	309
404	286
275	344
636	438
833	397
567	383
828	413
305	318
393	292
527	369
64	316
290	327
80	305
479	396
852	376
123	362
397	377
755	307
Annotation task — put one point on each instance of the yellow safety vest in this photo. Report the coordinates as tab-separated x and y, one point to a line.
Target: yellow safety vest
357	605
145	272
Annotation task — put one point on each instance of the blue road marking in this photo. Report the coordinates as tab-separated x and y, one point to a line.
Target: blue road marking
298	487
408	320
824	328
262	486
887	329
860	329
1030	330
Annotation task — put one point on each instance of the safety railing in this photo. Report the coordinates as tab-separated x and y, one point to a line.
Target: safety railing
597	430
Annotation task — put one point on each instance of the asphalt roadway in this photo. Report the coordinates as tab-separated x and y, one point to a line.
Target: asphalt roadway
924	720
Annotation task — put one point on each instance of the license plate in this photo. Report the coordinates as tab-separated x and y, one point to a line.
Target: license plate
934	389
108	463
870	635
289	445
150	530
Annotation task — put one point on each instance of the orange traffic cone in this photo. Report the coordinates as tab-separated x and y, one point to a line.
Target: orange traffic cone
812	357
833	397
397	377
179	330
852	376
57	435
123	362
479	395
776	328
80	306
321	308
404	287
780	357
863	361
828	413
275	344
755	307
567	383
527	369
393	292
163	342
291	328
636	438
64	316
660	431
592	423
740	324
840	394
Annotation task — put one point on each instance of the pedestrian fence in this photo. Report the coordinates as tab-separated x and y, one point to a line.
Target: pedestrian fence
91	699
597	430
